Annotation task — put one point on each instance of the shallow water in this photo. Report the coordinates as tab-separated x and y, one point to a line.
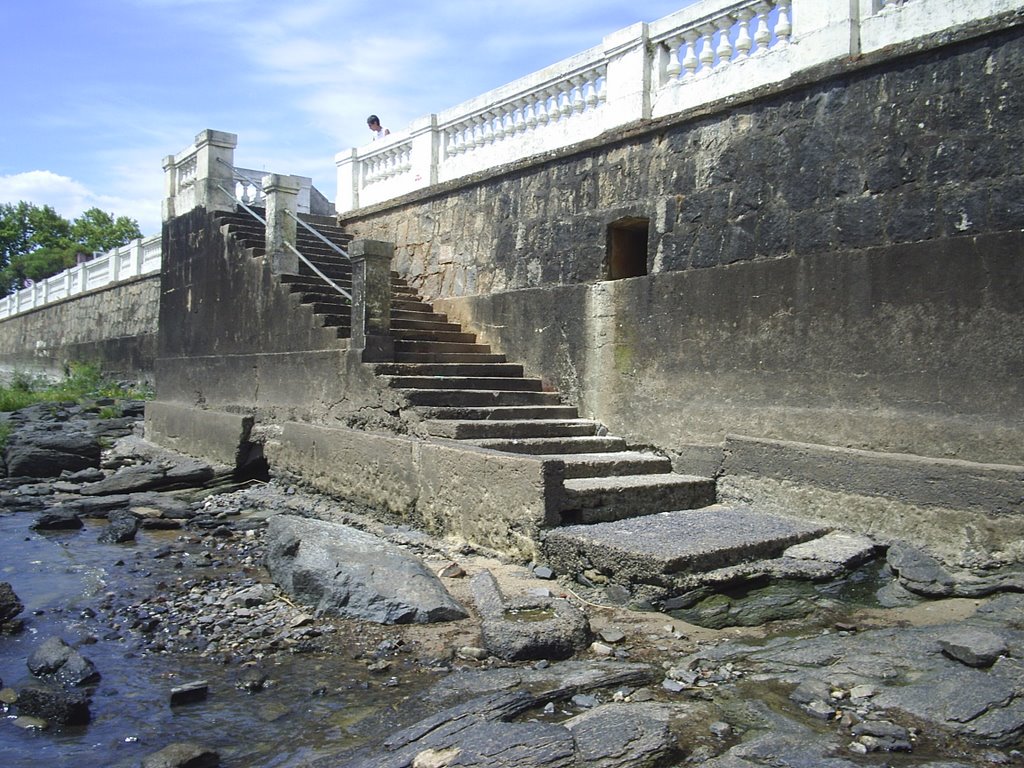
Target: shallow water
313	707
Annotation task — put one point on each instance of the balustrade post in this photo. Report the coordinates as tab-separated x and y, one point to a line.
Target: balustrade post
371	299
170	186
628	78
825	29
137	257
348	180
215	160
281	196
425	154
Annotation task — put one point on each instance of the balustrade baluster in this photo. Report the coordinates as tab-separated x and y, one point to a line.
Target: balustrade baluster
566	109
673	66
520	120
724	49
762	34
783	26
531	115
690	60
744	42
592	90
579	102
601	81
707	49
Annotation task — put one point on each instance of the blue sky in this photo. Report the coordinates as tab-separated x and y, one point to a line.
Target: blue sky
98	92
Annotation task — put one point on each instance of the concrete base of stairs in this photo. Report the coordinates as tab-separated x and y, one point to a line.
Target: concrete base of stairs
666	552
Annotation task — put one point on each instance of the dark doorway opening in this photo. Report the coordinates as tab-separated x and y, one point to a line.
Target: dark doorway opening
627	248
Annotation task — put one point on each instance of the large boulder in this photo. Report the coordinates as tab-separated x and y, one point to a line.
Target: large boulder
340	570
46	449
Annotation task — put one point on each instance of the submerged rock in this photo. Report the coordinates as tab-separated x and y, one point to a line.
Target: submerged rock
66	665
53	704
10	607
182	755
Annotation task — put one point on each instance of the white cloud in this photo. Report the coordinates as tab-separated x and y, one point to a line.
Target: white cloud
71	198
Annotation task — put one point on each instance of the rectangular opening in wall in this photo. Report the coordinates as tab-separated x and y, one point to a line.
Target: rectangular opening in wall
627	248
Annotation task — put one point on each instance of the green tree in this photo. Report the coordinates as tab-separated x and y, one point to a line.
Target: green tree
37	242
96	230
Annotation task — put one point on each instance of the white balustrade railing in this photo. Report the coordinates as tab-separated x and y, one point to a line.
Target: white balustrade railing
137	258
707	52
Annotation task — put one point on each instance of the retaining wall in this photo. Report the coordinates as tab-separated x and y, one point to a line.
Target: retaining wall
837	262
115	327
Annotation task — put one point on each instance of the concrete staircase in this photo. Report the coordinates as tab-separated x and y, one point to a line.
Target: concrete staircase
622	512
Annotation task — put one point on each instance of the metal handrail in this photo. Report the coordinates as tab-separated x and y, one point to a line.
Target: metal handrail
335	246
291	247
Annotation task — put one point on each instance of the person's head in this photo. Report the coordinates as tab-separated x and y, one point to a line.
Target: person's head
373	122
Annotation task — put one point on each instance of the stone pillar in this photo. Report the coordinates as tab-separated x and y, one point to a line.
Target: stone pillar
281	195
825	30
628	80
170	188
371	299
215	160
348	181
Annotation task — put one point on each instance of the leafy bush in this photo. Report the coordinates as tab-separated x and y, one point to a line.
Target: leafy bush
82	381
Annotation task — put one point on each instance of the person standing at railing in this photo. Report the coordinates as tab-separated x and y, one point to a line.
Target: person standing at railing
378	131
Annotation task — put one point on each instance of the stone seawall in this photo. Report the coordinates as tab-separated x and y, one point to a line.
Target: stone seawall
114	326
840	263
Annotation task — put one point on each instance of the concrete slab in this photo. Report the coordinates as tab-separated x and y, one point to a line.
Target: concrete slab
658	548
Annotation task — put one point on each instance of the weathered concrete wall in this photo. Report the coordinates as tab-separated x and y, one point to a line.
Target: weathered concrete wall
432	483
231	335
115	327
840	263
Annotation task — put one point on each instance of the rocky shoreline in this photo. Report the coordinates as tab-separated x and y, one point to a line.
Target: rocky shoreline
529	668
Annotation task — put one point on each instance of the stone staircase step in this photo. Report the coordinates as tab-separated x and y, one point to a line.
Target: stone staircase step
478	397
601	499
551	445
448	357
500	413
580	465
465	382
411	305
500	370
446	337
398	313
483	428
333	307
402	324
656	549
440	347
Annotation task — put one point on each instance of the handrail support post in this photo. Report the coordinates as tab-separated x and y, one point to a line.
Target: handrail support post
371	299
281	195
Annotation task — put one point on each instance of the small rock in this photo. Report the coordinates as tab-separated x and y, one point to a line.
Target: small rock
543	572
452	571
720	729
585	701
612	635
973	647
601	649
189	693
472	652
182	755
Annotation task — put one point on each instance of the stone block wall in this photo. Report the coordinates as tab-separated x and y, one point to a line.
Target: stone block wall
115	327
840	262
